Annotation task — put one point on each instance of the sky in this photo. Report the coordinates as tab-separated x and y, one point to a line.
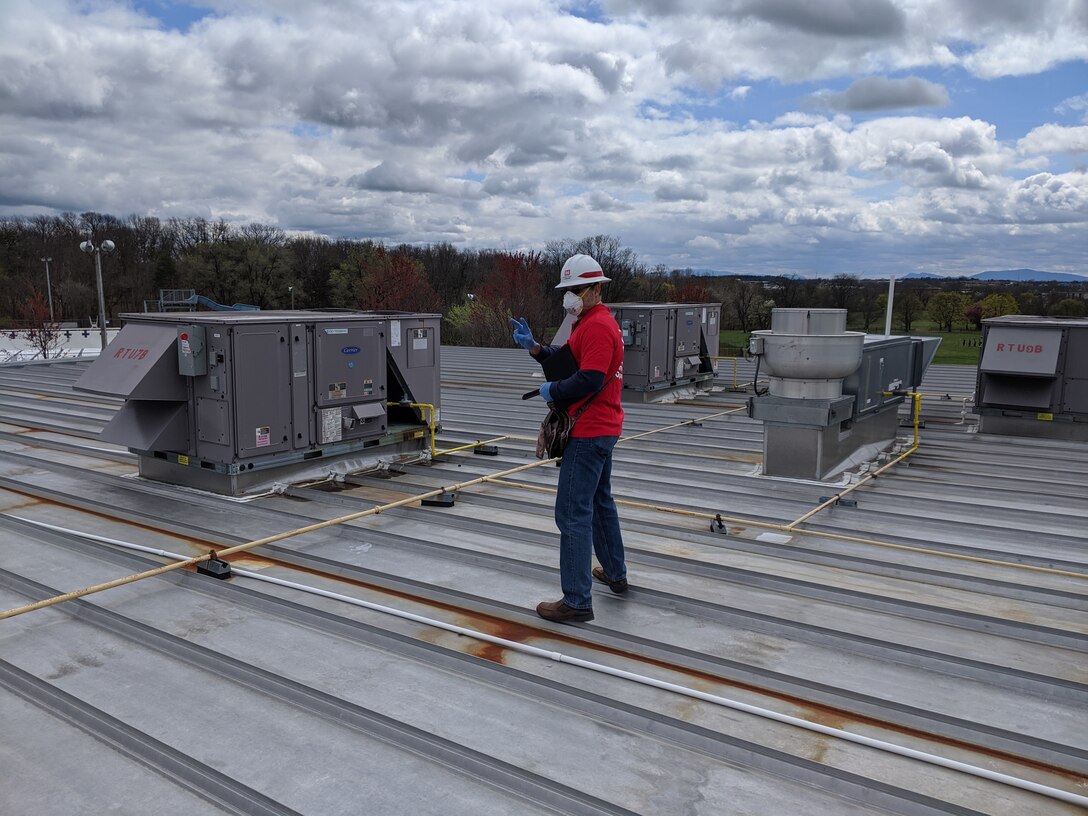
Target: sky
810	137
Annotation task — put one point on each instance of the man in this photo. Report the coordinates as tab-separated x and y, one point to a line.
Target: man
585	511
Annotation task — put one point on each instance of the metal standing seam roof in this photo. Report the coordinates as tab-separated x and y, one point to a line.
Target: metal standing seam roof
944	614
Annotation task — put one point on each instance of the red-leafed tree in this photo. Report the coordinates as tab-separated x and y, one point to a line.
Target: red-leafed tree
514	287
375	278
973	315
693	290
41	332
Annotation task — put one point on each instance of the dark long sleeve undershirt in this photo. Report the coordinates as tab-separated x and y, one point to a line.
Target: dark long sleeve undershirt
581	383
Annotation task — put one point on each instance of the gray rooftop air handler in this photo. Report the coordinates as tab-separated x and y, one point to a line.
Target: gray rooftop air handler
232	401
1033	377
667	348
829	405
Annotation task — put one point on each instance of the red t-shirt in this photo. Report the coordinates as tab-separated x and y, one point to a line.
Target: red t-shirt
597	345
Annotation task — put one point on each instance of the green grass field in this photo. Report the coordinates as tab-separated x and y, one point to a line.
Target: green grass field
957	348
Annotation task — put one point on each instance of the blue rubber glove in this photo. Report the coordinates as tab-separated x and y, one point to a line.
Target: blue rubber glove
546	391
523	335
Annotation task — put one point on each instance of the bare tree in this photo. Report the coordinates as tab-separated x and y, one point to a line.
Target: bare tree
870	303
263	234
619	263
745	305
789	291
844	289
908	307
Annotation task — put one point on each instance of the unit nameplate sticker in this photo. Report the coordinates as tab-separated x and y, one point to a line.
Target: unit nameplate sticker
332	427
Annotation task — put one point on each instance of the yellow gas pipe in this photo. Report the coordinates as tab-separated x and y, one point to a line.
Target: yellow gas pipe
431	426
309	528
791	527
695	421
498	479
734	359
472	445
430	409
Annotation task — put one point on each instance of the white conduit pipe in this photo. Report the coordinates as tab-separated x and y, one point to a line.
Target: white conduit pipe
559	657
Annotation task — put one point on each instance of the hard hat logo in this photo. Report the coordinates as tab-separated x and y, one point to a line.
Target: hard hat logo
580	270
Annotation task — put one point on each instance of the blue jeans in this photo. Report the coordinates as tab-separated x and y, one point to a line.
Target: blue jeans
585	513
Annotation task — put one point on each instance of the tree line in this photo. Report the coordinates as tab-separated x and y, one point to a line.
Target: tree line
950	303
263	266
475	289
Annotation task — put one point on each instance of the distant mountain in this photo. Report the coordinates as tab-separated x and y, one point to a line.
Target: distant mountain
1030	275
921	275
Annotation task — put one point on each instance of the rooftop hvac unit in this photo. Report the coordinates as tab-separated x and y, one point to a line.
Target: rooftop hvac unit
230	401
667	347
833	395
1033	377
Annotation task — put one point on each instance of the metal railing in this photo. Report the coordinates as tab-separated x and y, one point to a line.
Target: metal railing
27	355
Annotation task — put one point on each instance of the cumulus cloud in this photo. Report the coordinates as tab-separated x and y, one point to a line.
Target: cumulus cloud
1055	139
1049	199
842	18
607	69
500	184
603	202
881	93
1074	104
704	242
388	177
681	191
516	123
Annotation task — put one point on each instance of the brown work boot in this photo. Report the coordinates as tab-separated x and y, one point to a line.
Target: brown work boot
619	587
558	611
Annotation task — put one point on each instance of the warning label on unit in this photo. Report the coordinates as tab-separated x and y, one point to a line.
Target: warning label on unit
338	390
368	387
264	437
394	333
419	339
332	427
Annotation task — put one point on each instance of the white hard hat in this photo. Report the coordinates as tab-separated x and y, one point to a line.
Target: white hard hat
580	270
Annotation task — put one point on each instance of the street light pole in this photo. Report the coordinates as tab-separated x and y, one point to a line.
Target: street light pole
49	288
291	292
105	246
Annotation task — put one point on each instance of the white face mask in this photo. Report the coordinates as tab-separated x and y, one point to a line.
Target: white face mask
572	303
